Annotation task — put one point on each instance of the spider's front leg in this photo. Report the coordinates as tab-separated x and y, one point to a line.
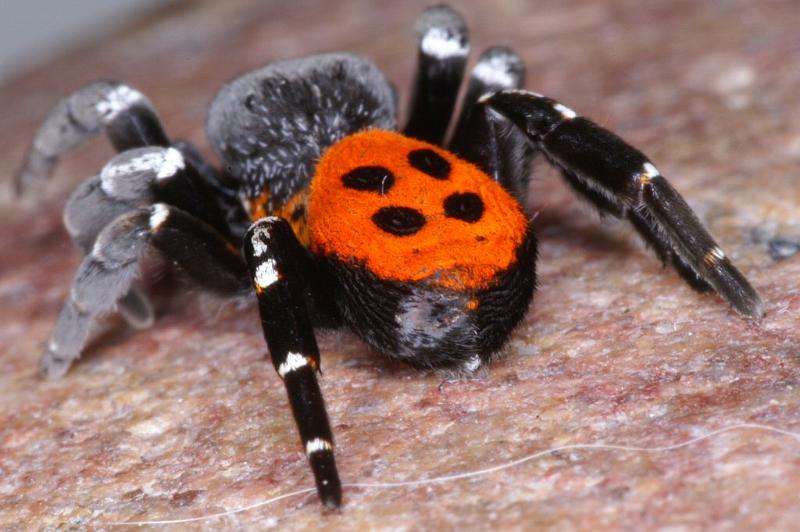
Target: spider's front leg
622	181
130	121
133	179
123	112
108	272
280	269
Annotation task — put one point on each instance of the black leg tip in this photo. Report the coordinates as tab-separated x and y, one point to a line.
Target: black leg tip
330	491
736	290
329	487
333	500
750	307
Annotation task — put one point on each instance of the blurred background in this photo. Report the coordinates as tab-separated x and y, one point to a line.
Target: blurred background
33	31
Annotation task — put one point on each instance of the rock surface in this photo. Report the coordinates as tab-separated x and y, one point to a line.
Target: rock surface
187	420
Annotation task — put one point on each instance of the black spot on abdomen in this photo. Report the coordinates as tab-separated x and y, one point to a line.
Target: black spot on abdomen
399	221
430	162
369	178
466	206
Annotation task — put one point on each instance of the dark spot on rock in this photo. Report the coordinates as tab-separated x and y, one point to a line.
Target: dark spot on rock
782	248
185	498
132	495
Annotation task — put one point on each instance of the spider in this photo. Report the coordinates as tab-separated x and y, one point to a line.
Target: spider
418	244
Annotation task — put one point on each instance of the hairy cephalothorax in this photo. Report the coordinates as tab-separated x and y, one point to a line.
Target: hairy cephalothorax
419	245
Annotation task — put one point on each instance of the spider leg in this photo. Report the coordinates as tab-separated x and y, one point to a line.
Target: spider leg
443	49
222	184
218	187
498	68
124	113
489	140
137	178
88	210
132	179
278	265
106	274
628	182
643	225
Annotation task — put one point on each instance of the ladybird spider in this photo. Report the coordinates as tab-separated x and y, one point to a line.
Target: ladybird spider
423	251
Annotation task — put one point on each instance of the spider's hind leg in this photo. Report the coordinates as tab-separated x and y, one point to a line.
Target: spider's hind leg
146	171
443	50
108	272
498	68
489	140
625	182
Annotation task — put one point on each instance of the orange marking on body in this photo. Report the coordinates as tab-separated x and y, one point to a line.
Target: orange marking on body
299	224
257	208
447	252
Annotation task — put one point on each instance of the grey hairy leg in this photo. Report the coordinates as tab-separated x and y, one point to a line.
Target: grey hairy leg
123	112
104	276
124	184
88	211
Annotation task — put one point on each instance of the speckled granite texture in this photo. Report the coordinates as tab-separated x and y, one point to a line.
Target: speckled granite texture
187	419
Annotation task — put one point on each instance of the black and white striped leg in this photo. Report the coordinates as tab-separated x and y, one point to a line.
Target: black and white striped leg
651	234
627	181
443	50
498	68
277	261
489	140
124	113
108	272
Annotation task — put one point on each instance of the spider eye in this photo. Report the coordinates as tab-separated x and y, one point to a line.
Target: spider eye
466	206
369	178
430	162
399	221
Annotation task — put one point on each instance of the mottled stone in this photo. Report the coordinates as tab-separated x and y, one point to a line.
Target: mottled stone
186	419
